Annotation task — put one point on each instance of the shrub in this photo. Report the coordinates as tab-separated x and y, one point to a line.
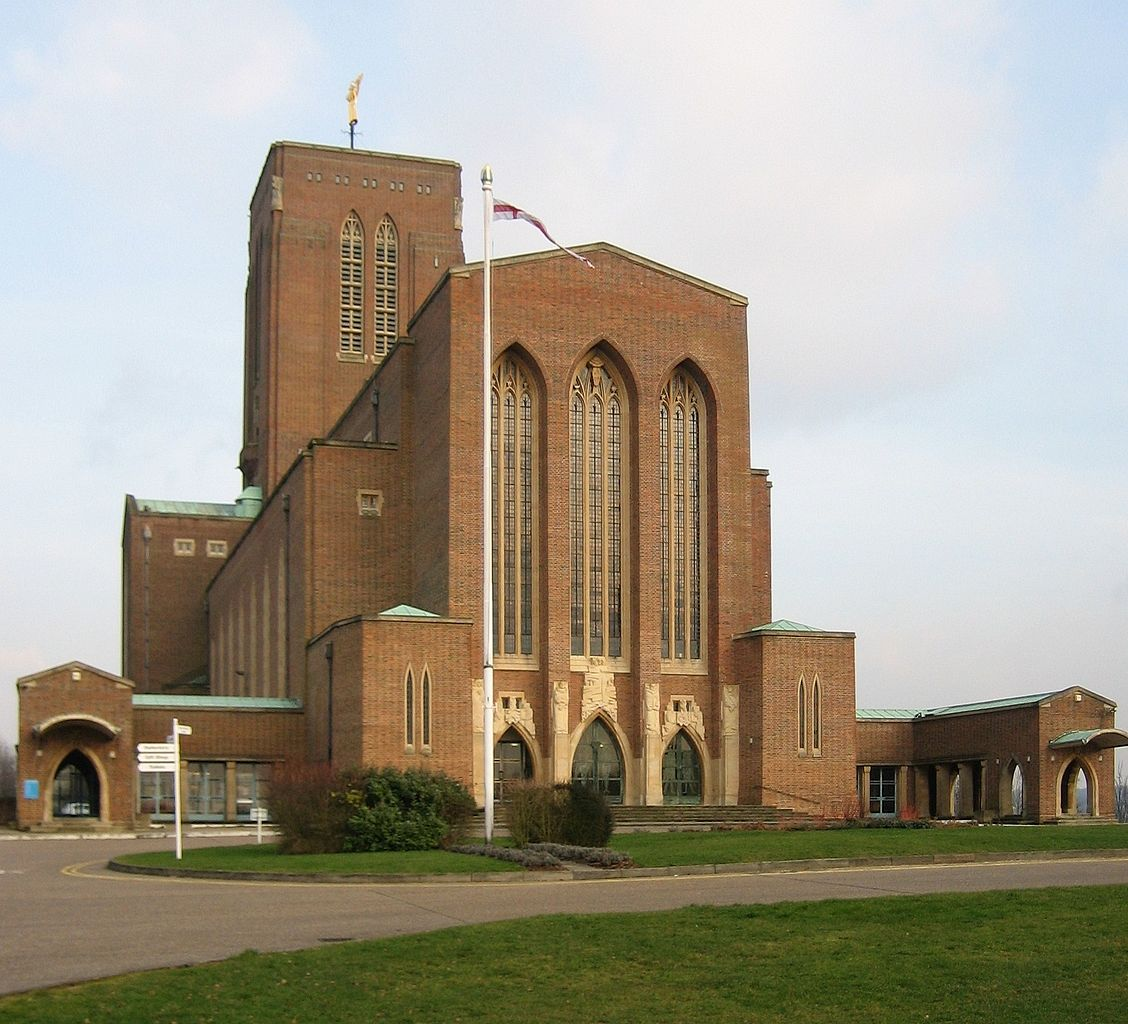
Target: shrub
306	807
570	814
389	809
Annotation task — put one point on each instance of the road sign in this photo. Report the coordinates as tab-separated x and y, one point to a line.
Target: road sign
161	758
156	748
183	730
160	766
258	814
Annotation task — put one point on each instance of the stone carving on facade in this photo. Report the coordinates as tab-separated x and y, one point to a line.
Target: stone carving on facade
653	704
683	713
599	692
560	706
478	706
511	708
730	711
276	192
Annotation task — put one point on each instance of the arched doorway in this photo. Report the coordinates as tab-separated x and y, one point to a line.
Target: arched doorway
76	791
681	771
513	764
598	762
1077	794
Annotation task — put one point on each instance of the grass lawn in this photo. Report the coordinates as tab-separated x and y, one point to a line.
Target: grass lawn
1038	957
658	849
266	858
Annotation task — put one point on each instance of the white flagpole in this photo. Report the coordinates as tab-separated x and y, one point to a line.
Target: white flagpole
487	511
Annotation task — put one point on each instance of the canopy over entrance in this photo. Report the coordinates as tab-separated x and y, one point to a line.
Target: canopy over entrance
1094	739
100	725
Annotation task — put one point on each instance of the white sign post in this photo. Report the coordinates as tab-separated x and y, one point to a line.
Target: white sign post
258	816
178	730
164	759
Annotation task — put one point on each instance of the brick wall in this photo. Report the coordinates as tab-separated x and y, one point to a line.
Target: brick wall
298	383
164	622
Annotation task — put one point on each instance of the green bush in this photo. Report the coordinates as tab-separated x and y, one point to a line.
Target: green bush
570	814
389	809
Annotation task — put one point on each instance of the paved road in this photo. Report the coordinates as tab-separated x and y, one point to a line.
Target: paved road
67	919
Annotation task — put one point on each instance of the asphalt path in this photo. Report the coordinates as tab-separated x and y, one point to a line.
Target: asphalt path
66	918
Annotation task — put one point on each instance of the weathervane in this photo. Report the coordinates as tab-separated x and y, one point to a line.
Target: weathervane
351	95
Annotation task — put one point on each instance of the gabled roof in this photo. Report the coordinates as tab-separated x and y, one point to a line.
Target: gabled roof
80	666
592	250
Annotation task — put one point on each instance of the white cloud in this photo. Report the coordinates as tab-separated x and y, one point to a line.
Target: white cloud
122	74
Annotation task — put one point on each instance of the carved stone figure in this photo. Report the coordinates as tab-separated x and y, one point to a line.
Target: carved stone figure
351	95
653	699
560	706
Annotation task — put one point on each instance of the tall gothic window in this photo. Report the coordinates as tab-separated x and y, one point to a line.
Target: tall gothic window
801	709
681	496
409	708
514	454
816	717
595	496
352	285
384	296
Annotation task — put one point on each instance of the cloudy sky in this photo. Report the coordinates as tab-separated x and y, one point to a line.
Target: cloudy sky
926	204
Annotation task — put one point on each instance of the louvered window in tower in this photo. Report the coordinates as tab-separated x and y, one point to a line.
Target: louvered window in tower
386	268
352	286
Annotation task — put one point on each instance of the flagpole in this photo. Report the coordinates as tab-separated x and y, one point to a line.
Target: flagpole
487	512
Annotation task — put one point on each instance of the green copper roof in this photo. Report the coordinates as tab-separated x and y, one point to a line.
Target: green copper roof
407	611
1074	739
211	509
987	705
784	626
206	702
1101	739
885	714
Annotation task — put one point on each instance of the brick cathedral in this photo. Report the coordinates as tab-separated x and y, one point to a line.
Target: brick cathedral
333	612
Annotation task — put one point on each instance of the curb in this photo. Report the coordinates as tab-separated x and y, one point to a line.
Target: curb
584	873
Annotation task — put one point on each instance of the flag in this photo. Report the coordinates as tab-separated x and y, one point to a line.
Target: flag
507	211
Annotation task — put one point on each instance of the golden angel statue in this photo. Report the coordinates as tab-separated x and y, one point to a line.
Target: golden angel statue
354	91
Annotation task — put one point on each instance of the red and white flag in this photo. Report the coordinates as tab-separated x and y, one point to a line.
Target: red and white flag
507	211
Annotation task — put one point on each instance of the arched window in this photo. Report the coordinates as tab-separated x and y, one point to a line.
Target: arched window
425	707
681	771
352	285
801	707
409	708
816	716
385	267
681	496
598	762
595	494
514	418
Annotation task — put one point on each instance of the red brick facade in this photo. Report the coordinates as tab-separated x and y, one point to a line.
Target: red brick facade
336	610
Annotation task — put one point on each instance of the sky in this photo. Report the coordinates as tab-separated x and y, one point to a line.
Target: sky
925	203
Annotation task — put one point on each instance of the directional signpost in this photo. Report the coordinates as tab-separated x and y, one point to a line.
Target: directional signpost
164	758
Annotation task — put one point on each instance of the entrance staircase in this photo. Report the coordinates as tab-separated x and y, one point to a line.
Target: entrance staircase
678	818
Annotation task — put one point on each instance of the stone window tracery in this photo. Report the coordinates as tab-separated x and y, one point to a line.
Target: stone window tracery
597	456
